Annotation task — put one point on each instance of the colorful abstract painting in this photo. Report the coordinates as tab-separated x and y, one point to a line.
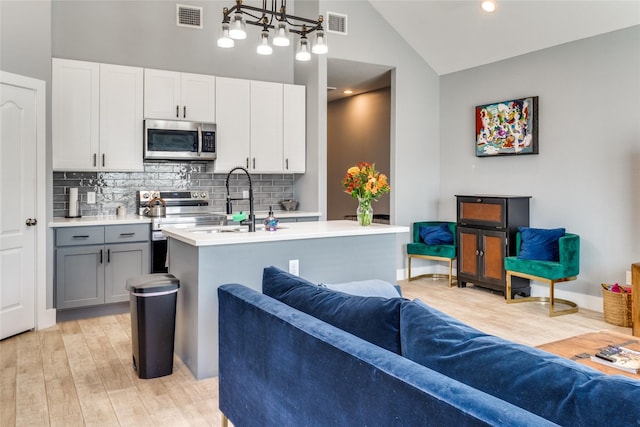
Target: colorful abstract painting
507	128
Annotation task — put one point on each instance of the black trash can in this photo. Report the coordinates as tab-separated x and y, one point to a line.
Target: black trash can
153	323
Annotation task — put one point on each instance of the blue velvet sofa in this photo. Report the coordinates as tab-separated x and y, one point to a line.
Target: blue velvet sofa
305	355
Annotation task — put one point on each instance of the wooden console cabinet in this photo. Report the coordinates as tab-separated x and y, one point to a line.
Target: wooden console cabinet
487	227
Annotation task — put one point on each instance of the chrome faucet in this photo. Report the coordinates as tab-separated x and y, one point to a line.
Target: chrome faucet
251	221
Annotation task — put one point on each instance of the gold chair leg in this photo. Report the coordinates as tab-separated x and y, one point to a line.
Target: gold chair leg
225	421
409	257
450	273
551	299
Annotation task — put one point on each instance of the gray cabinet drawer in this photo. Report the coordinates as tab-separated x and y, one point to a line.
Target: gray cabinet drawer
127	233
73	236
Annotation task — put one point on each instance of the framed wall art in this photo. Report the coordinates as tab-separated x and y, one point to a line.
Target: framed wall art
507	128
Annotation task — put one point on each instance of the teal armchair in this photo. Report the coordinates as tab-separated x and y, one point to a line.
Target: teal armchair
418	249
550	272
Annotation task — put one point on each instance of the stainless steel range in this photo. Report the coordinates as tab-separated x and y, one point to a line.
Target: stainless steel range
184	209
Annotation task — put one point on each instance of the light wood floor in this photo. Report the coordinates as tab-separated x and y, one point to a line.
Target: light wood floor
79	372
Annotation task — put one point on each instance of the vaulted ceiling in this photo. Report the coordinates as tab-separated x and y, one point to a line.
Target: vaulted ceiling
455	35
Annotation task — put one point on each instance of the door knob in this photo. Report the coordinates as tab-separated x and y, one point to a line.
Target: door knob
31	221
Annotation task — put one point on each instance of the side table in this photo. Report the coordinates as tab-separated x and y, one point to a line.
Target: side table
581	347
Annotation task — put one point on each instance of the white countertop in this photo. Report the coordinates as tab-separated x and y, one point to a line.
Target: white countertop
98	220
206	236
138	219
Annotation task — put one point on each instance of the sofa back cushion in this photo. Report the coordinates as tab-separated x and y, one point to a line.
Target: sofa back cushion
374	319
555	388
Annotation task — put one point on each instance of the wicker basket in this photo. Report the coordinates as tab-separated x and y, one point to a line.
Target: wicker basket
617	307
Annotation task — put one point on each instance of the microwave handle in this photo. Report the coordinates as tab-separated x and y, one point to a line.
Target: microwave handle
199	140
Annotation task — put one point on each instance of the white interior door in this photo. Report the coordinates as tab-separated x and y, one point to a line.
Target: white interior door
18	150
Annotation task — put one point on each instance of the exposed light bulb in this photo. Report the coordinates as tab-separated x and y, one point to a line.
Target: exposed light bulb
303	53
237	29
488	5
320	47
225	41
263	46
281	37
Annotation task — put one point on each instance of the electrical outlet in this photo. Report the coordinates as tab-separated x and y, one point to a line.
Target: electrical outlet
91	197
245	194
294	267
628	281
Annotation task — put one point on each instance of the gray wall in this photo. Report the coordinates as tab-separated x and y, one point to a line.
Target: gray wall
144	34
358	129
415	148
587	175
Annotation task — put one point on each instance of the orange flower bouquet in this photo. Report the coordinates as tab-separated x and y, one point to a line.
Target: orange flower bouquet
365	183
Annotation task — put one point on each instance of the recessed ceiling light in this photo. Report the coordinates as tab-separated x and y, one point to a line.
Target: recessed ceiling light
348	92
488	5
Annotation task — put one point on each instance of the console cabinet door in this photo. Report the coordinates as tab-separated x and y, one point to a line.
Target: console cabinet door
123	261
468	254
481	256
79	276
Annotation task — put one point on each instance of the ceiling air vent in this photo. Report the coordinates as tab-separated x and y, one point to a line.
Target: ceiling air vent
188	16
336	23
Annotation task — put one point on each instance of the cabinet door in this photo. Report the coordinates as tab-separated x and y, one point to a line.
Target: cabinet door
198	98
493	250
79	276
295	128
266	127
468	252
75	114
122	262
232	127
121	114
161	94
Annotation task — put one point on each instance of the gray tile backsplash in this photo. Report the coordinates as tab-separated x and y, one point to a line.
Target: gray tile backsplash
114	189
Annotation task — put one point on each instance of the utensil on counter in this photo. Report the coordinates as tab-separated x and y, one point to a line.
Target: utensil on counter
289	204
154	210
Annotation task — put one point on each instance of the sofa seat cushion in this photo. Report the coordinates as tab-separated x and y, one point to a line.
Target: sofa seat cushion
445	251
374	319
547	269
553	387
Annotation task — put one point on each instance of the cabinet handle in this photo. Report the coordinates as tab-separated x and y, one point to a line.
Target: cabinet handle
103	156
177	111
286	162
108	256
481	253
184	112
100	256
477	252
127	234
254	162
81	237
247	163
95	160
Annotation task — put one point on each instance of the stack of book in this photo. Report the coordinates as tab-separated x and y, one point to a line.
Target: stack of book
619	357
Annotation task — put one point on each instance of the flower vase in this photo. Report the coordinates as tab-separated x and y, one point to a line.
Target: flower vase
364	213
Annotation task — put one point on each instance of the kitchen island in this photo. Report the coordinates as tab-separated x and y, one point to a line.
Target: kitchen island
203	258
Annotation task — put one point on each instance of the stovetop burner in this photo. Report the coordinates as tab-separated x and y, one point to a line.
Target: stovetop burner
183	208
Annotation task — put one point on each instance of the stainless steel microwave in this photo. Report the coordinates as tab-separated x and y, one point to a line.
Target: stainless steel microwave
179	140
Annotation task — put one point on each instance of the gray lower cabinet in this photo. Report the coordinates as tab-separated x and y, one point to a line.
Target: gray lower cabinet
93	263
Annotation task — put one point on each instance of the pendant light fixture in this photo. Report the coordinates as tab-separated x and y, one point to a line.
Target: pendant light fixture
234	22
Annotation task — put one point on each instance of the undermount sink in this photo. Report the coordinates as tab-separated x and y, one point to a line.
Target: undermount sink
227	229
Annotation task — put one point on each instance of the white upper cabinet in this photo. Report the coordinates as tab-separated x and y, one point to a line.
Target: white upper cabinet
266	127
260	126
295	128
233	100
172	95
75	100
121	129
96	116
